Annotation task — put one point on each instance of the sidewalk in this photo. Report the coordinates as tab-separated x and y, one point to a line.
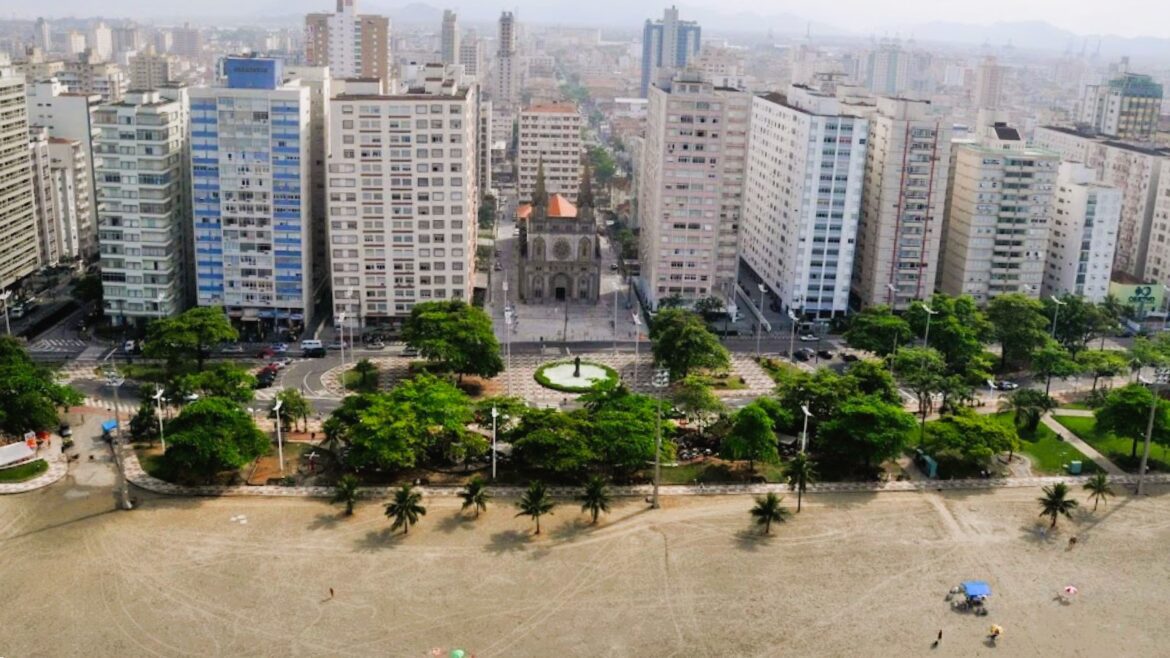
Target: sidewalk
140	478
58	467
1076	441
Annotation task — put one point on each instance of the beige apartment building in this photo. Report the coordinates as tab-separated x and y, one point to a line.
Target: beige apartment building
550	135
19	252
352	45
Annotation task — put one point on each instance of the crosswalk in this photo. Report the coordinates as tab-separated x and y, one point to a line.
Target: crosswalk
58	345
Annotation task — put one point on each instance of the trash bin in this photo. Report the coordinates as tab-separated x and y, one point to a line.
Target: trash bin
1074	468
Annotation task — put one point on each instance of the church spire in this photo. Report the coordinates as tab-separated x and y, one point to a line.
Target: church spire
585	194
539	193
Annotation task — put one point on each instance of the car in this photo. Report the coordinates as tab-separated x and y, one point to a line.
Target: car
279	348
809	338
613	267
410	351
282	363
190	397
377	345
825	354
266	353
497	267
128	346
803	354
1006	386
849	357
231	348
65	431
338	344
264	381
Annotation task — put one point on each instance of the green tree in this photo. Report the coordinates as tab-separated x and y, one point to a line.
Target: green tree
1098	488
621	434
1078	321
863	431
967	440
1028	406
801	472
455	334
179	339
958	330
693	397
220	380
1020	327
921	371
683	344
872	378
211	435
709	306
405	509
822	391
89	289
1056	503
346	492
1126	412
1053	360
535	503
475	495
875	329
751	437
768	510
30	393
144	424
595	498
294	407
554	442
508	410
367	376
604	167
1102	363
675	300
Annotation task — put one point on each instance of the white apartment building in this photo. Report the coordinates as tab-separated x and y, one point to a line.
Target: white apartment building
989	79
907	161
1157	265
802	198
352	45
48	222
19	252
550	136
403	199
887	69
471	56
483	145
506	90
1133	170
690	185
105	79
72	180
1082	235
152	70
252	195
142	211
75	43
449	39
319	82
995	239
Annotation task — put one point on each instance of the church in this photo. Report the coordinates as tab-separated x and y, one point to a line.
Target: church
560	251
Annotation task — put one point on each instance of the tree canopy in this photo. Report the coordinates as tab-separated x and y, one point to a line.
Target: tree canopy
1020	327
751	437
1126	412
456	334
31	396
683	344
958	330
876	329
965	440
211	435
865	431
1078	321
187	336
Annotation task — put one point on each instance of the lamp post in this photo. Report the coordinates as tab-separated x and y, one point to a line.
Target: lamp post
637	342
4	296
158	396
617	292
804	431
893	290
495	414
760	324
508	319
1056	313
115	381
1161	378
792	337
279	442
929	314
661	379
341	327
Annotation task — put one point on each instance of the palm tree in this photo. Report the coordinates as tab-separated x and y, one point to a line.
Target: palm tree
595	498
346	492
405	509
475	495
801	472
769	509
365	370
535	503
1098	488
1055	502
1028	406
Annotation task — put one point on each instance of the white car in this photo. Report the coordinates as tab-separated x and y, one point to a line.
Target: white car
809	338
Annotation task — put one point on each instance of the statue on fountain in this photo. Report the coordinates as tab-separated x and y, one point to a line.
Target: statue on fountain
577	366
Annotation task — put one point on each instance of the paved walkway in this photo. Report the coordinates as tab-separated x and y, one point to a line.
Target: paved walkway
1078	443
58	467
140	478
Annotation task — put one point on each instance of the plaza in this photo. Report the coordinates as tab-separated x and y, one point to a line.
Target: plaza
853	573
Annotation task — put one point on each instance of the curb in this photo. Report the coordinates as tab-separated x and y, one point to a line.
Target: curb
57	470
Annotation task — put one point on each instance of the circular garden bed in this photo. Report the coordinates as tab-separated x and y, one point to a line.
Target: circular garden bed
558	376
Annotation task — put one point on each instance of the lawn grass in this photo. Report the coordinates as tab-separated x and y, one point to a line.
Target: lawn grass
24	472
352	382
778	370
1117	449
713	471
1048	453
1081	406
724	381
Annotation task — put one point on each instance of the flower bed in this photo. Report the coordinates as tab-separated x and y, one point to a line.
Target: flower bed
559	376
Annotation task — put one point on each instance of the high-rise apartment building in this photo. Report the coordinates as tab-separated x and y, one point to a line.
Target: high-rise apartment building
483	145
550	135
1082	234
85	76
352	45
506	88
690	185
802	198
75	43
127	39
887	69
72	194
152	70
1133	170
143	209
101	41
1126	107
48	222
317	79
186	42
989	79
403	199
19	252
471	56
667	46
43	35
906	165
995	238
250	157
449	39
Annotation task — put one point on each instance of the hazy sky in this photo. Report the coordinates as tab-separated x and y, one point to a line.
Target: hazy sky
1122	17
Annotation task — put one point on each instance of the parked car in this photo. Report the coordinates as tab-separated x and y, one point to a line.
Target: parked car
809	338
279	348
65	431
1006	386
231	348
849	357
266	353
190	397
265	379
338	344
803	354
825	354
379	345
410	351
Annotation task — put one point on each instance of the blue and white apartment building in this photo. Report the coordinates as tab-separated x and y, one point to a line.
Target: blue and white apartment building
250	141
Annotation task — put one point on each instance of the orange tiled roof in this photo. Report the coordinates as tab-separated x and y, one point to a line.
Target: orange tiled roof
559	206
524	211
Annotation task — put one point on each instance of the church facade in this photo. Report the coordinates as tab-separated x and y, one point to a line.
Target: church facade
560	251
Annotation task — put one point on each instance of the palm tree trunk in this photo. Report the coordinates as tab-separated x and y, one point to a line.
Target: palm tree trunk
538	525
767	526
1096	502
1054	516
799	496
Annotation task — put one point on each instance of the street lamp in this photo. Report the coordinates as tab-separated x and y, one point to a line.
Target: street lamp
115	381
893	291
661	379
637	342
1056	313
760	324
1161	378
804	432
495	414
792	337
929	314
158	396
507	336
4	296
279	442
341	327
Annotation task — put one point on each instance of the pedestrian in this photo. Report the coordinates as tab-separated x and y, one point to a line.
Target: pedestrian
330	592
939	640
1072	541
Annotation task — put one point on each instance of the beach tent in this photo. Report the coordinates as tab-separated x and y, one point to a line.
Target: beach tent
974	588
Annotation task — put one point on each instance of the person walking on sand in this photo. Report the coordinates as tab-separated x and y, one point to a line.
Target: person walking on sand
330	592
